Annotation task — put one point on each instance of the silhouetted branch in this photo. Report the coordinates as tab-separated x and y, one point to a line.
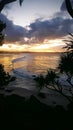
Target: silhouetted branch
4	2
5	77
69	7
20	1
60	92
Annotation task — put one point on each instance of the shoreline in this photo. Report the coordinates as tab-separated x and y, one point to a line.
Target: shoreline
51	98
20	113
26	87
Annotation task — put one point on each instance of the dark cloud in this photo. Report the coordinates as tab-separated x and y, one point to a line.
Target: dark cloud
63	6
54	28
13	32
40	29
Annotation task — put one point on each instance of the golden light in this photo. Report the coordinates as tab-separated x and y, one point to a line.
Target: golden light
39	47
46	46
5	46
13	48
56	42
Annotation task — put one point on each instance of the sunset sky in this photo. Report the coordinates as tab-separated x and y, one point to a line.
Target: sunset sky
36	26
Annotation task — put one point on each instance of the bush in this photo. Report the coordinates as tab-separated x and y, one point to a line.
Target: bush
5	77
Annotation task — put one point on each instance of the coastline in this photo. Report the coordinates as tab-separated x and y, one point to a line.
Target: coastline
25	86
51	98
24	108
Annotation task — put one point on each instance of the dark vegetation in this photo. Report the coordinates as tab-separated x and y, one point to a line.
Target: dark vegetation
69	7
18	113
2	26
65	67
5	77
4	2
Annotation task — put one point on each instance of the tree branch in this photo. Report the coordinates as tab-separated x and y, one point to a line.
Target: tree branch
69	7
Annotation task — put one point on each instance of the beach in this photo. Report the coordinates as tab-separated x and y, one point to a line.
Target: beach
51	97
23	106
18	65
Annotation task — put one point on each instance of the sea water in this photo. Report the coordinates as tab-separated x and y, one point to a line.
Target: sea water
26	65
31	63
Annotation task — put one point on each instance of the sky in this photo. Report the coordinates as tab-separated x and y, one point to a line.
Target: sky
36	26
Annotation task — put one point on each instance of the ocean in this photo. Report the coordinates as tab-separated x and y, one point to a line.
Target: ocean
25	65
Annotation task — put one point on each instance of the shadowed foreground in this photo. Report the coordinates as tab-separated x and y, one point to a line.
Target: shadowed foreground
17	113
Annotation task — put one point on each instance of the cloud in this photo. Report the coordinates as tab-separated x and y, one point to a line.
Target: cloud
63	6
53	28
56	27
13	32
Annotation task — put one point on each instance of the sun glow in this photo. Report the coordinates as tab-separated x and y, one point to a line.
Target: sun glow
13	48
40	47
46	46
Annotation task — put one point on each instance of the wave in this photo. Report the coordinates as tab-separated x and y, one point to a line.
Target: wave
22	73
18	59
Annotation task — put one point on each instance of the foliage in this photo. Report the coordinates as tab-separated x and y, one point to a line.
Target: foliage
4	2
69	7
18	113
40	80
2	27
65	66
66	60
69	44
50	77
5	77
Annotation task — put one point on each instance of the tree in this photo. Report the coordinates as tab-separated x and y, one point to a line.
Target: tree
41	81
66	60
2	27
69	7
5	77
4	2
51	79
66	64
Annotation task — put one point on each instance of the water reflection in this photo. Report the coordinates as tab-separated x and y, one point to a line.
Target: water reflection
32	62
38	63
6	60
